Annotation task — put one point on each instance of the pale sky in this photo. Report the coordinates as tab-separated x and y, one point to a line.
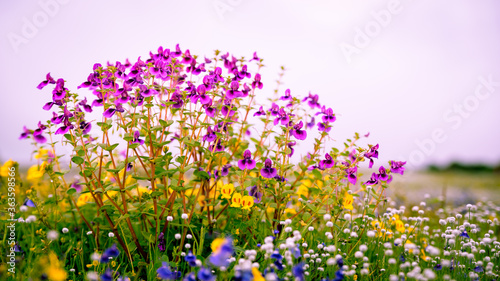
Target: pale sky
408	72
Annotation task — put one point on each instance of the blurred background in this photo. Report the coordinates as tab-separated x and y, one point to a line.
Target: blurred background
423	77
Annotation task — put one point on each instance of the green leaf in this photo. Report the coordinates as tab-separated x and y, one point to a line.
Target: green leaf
77	160
70	191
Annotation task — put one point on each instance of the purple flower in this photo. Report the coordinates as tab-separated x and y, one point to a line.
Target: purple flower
177	99
108	113
372	153
209	110
313	101
25	133
282	117
85	106
298	272
226	110
225	170
254	191
383	176
177	52
310	124
327	163
147	92
210	136
243	73
274	110
290	145
255	57
85	127
59	91
48	80
397	167
233	91
329	117
204	98
247	162
268	171
287	96
373	180
221	255
137	139
351	174
297	131
324	127
37	134
216	146
256	82
260	112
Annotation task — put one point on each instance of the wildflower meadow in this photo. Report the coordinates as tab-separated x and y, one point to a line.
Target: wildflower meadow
186	167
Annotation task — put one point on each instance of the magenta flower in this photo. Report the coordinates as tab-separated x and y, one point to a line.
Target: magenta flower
85	106
372	153
327	163
255	57
204	98
313	101
397	167
351	174
210	136
287	96
329	117
383	176
373	180
282	117
225	170
247	162
260	112
324	127
268	171
291	145
209	110
256	82
297	131
137	139
310	124
254	192
275	109
85	127
48	80
233	91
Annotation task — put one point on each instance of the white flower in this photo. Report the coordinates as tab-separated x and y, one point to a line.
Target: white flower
189	236
31	219
23	208
188	246
170	218
358	254
327	217
52	235
65	230
363	248
347	217
111	234
177	236
184	216
89	232
370	233
311	228
329	224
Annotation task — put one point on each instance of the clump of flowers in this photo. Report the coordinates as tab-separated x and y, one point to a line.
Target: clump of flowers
182	168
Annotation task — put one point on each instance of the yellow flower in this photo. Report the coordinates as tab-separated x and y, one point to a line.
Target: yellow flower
257	276
35	172
247	202
41	153
236	200
54	271
142	189
400	226
217	244
4	170
348	200
227	190
84	199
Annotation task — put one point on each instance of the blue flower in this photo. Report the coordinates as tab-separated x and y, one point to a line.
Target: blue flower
464	234
165	273
190	277
205	274
111	252
191	259
478	269
438	267
298	272
339	276
107	276
222	251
